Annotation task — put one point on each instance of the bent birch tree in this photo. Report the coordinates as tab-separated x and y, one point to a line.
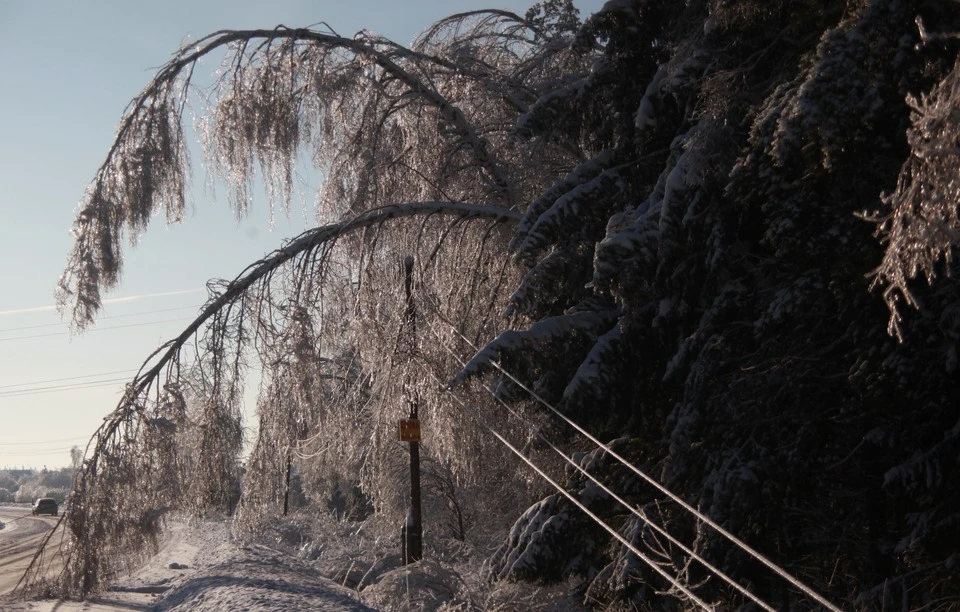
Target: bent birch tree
416	151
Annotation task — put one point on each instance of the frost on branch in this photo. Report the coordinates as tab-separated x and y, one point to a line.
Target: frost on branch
598	374
384	123
145	173
539	545
553	539
591	200
693	280
412	144
265	110
922	227
182	447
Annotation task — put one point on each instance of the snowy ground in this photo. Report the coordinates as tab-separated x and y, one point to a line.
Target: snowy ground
201	568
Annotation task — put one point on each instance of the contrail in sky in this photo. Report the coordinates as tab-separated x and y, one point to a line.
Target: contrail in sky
116	300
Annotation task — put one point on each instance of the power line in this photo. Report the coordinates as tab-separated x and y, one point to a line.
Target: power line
57	388
96	329
71	387
123	316
673	496
675	582
45	441
39	451
629	507
50	380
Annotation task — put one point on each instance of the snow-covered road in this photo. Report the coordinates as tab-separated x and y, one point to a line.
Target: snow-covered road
19	539
199	568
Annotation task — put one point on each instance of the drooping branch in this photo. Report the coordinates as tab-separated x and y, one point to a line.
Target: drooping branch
306	242
135	417
145	169
261	269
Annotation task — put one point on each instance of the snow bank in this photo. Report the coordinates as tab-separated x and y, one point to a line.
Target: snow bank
258	578
423	586
201	568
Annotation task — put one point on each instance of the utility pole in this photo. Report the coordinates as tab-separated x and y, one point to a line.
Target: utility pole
409	431
286	491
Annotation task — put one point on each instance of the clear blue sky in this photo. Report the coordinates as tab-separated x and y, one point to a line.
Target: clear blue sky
67	71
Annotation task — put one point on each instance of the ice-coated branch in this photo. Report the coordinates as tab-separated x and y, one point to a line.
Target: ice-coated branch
115	445
310	240
922	227
145	170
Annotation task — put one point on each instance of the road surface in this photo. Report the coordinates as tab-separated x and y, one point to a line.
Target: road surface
20	538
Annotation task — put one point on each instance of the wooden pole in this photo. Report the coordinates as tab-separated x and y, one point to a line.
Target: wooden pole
412	549
286	492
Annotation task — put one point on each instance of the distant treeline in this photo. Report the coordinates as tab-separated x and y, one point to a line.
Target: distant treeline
28	485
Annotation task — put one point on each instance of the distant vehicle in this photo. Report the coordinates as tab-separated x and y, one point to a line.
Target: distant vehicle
45	505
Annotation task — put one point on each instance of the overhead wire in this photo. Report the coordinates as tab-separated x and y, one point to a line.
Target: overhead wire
672	496
122	316
38	451
626	505
44	441
96	329
50	380
93	384
675	582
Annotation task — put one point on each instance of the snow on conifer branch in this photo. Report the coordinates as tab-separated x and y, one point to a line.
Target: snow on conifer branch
582	174
542	333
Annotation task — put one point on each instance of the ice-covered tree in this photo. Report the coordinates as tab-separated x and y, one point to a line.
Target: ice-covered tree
418	159
664	222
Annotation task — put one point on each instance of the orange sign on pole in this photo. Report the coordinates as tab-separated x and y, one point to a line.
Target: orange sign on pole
409	430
